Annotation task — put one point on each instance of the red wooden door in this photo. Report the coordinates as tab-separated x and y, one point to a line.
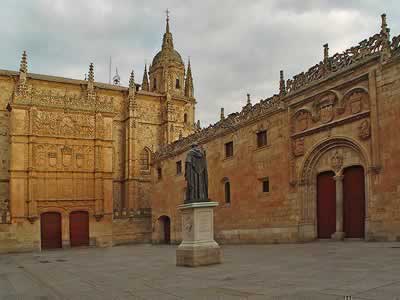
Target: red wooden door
353	202
167	230
326	205
79	228
50	230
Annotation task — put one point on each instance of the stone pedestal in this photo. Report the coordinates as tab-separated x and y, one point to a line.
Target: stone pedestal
198	247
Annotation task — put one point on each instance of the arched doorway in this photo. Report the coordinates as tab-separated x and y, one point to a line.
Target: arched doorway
337	155
79	228
50	230
165	229
354	202
326	205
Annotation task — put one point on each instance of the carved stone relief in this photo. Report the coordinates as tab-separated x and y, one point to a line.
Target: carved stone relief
298	147
337	161
301	120
63	124
325	108
364	130
357	101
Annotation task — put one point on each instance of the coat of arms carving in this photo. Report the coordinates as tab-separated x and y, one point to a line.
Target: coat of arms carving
52	159
356	102
298	147
79	160
66	156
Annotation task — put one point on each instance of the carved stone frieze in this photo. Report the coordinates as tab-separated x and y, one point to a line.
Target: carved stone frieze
45	97
49	123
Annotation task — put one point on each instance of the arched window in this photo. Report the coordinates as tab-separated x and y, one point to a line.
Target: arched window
227	186
155	84
145	160
185	118
177	84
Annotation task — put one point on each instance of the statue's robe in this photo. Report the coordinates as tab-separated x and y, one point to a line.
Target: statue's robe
196	176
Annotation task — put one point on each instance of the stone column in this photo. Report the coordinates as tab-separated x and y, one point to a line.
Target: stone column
339	234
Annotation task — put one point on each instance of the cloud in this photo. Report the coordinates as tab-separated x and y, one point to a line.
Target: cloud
236	47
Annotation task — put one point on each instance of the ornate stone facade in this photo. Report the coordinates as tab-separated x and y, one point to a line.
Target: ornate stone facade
77	145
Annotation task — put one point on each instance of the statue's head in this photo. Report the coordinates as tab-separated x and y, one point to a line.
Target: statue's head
194	145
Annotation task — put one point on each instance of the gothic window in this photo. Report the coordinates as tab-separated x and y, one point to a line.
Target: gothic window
177	84
229	149
159	173
179	167
155	84
185	118
227	187
145	160
261	138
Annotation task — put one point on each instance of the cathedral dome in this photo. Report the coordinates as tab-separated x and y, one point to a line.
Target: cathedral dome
170	55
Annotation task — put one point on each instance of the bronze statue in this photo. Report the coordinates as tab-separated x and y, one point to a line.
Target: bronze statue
196	175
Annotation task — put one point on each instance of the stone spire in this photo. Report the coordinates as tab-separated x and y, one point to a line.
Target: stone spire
132	86
22	88
189	90
145	81
168	42
222	117
90	85
282	86
23	67
248	99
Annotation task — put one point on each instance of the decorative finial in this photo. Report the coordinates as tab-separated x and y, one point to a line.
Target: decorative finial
222	113
384	23
116	78
282	85
326	52
132	80
248	99
24	63
167	13
145	81
91	72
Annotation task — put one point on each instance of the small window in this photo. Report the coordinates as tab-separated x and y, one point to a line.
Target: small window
177	84
185	118
229	149
261	138
154	84
159	173
265	185
227	186
179	167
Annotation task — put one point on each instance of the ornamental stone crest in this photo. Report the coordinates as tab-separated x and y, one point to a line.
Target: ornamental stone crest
298	147
325	108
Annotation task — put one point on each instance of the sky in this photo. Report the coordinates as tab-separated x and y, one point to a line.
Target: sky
235	47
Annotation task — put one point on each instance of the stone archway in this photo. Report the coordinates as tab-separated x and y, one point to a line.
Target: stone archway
335	155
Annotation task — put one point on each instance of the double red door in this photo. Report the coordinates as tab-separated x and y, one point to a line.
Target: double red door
79	228
353	203
50	230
